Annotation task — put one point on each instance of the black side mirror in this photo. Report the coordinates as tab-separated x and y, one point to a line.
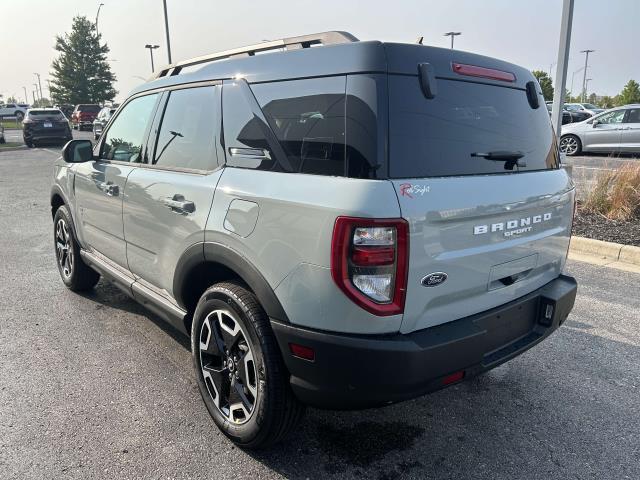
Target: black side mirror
595	123
77	151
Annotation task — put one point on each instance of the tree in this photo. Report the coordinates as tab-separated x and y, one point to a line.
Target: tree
12	99
545	84
41	102
607	102
630	93
81	73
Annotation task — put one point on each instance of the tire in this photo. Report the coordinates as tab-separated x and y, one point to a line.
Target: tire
28	144
19	115
75	274
229	318
570	145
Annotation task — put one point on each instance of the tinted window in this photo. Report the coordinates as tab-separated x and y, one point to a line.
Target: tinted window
187	131
308	119
245	129
633	115
437	137
125	137
89	108
48	114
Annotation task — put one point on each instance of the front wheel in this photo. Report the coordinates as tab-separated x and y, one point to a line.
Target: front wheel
571	145
239	369
19	116
75	274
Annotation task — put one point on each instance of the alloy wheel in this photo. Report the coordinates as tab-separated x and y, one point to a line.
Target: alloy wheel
64	248
569	145
228	366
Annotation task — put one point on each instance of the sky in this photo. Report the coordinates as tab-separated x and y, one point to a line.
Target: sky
519	31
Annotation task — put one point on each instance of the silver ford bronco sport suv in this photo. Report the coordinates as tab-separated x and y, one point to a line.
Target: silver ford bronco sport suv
344	227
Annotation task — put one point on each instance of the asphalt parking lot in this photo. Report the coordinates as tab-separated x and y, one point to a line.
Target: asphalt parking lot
94	386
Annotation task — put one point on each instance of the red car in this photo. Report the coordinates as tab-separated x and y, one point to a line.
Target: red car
84	115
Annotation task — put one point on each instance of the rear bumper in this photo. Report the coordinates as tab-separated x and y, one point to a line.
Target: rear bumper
358	371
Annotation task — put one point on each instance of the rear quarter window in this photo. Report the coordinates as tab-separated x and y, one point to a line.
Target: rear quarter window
436	137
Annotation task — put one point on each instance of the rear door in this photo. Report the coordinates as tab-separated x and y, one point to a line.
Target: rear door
630	133
483	231
168	199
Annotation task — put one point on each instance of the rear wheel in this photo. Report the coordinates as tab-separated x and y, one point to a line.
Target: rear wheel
571	145
241	375
75	274
19	115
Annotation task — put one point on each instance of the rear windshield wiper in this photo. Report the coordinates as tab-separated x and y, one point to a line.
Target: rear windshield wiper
511	158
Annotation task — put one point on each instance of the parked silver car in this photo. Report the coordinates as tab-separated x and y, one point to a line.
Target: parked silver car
616	130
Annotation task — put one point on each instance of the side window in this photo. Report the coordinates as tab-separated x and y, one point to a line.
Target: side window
633	116
612	117
125	137
308	119
187	132
245	132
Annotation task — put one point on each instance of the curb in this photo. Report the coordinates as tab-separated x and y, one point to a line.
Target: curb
13	149
614	252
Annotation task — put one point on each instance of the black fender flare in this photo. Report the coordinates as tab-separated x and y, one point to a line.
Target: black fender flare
56	190
212	252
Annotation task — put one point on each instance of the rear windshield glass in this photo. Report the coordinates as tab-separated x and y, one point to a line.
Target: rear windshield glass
444	135
89	108
48	114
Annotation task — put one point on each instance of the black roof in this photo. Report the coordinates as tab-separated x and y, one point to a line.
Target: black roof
341	59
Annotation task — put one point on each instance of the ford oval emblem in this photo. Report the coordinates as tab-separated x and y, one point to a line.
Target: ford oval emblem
434	279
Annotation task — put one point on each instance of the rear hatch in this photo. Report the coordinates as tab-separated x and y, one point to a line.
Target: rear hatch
485	227
47	123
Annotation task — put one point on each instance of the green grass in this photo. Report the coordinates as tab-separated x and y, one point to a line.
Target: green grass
9	145
11	124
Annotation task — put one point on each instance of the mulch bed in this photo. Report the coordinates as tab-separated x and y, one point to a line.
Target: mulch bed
599	228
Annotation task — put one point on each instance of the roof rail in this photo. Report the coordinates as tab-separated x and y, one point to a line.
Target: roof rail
291	43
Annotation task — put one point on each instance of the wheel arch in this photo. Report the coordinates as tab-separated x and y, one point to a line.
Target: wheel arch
204	264
57	199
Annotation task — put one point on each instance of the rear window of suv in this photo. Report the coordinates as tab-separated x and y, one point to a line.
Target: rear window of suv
437	137
89	108
46	114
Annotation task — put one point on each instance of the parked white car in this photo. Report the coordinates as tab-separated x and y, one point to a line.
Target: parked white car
13	110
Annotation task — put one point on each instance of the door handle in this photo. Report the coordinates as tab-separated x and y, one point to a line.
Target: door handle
256	153
110	189
178	204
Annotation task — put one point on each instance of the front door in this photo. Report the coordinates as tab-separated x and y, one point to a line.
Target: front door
603	134
168	200
100	183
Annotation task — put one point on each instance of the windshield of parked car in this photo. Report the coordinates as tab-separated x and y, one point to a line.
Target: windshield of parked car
590	106
46	115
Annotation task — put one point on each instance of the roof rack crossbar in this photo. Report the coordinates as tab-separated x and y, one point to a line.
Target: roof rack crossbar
290	43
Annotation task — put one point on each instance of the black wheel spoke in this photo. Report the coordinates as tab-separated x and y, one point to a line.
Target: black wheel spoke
241	396
220	378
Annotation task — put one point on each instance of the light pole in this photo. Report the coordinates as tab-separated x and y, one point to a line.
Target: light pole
151	49
39	84
573	75
36	87
166	30
564	46
584	77
97	14
452	35
586	87
26	97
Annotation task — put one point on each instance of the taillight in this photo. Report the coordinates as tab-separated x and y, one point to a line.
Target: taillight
369	262
475	71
